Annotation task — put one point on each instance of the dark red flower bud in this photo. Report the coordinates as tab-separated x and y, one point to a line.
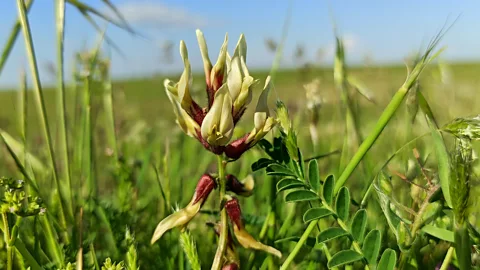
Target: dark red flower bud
244	188
236	148
205	185
230	266
234	212
233	184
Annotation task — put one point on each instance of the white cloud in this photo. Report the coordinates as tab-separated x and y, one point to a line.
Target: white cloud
350	43
158	15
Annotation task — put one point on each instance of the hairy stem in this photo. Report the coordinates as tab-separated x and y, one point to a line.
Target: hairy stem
222	242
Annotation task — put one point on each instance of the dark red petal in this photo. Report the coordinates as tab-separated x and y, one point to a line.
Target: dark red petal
236	148
234	212
230	266
233	184
205	185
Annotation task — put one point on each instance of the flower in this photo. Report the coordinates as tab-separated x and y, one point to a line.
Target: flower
263	124
182	217
244	238
229	87
243	188
217	127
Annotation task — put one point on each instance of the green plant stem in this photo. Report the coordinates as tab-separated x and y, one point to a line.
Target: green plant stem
448	259
299	245
385	117
6	236
41	107
222	242
61	105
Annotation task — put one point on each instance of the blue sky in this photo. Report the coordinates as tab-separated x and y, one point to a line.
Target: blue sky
387	31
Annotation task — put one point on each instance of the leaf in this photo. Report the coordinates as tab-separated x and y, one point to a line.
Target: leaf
361	88
342	204
313	175
388	260
463	247
359	225
440	233
422	102
261	163
277	169
344	257
316	213
330	234
311	241
301	195
289	183
371	246
443	162
328	186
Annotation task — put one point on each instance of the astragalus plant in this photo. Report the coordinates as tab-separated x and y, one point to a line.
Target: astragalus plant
229	89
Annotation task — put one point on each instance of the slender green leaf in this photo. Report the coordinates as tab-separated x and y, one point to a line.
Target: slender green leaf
443	162
262	163
316	213
313	175
359	225
344	257
440	233
422	102
289	183
330	234
342	204
301	195
371	246
19	149
388	260
277	169
328	189
310	240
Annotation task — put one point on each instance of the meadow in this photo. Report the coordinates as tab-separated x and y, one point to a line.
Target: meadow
365	168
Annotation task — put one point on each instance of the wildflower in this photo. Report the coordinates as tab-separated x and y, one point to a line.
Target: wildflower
217	127
243	237
263	124
229	88
182	217
243	188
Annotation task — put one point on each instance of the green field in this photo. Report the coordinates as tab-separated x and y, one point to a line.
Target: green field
383	173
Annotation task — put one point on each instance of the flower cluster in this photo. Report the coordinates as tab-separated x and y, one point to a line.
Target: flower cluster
16	201
229	91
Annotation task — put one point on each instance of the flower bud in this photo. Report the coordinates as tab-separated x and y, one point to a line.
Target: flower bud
244	188
181	90
186	123
263	124
182	217
217	127
404	237
230	266
244	238
207	65
218	70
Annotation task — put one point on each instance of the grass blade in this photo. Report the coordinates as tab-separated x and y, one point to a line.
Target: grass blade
61	100
41	103
13	37
443	160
